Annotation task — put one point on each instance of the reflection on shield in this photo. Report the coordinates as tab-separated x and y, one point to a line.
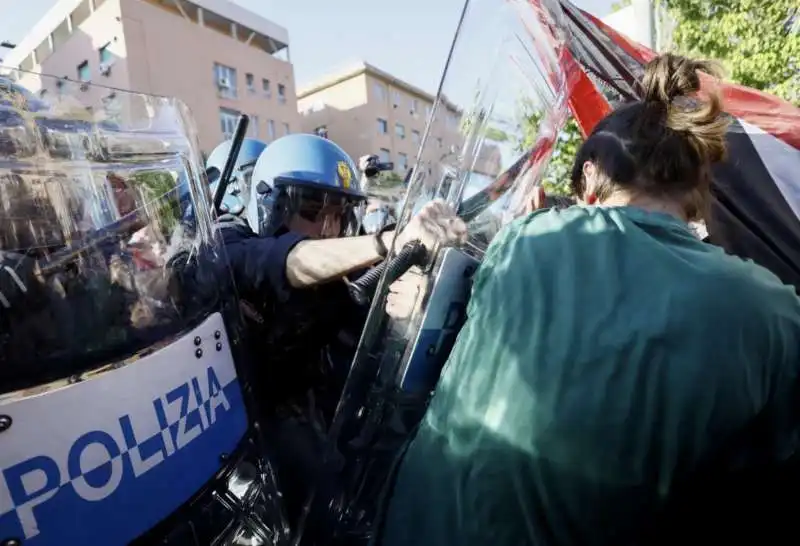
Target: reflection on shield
120	338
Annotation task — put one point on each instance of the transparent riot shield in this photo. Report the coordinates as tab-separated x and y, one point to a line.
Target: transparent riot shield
123	414
500	105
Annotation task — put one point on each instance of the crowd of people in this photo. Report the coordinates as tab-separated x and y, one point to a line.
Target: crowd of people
618	380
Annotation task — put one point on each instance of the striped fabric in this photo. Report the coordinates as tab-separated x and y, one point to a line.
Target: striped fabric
755	212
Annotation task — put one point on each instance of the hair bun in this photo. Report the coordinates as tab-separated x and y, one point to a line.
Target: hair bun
668	77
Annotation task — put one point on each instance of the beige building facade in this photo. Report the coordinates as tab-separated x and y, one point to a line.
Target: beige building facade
217	57
368	111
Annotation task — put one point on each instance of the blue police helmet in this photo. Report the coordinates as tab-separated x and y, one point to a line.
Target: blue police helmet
238	191
306	174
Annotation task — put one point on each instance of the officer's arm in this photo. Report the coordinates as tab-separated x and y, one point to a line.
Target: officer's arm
319	261
279	263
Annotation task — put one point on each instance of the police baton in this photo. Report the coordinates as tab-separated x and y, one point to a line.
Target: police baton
230	162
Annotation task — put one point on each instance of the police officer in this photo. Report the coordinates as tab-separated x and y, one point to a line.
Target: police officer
296	241
298	229
238	192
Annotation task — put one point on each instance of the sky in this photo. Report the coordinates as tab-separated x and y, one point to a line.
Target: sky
407	38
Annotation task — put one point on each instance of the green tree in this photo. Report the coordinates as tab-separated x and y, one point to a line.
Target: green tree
616	6
155	187
386	185
556	176
389	180
758	41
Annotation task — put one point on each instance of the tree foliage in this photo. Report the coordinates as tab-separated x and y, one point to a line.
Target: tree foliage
757	40
616	6
556	176
158	189
388	180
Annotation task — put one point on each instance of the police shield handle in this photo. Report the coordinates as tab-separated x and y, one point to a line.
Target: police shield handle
363	288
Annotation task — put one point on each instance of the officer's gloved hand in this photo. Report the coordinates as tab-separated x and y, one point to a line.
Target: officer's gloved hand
435	226
18	282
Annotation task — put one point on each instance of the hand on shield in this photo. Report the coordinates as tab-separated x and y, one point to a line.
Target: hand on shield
435	226
403	295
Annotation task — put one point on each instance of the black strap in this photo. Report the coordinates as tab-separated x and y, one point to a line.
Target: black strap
380	247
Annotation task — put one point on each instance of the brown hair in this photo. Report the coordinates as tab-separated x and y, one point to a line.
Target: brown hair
663	145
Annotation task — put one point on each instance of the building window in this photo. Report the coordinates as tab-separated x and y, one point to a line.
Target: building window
252	128
281	93
399	131
84	72
286	130
428	109
266	88
452	120
402	162
271	130
228	119
104	54
380	91
439	142
415	137
383	127
414	107
225	80
250	81
385	155
396	97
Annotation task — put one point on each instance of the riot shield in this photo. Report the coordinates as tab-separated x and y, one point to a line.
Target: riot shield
501	102
123	409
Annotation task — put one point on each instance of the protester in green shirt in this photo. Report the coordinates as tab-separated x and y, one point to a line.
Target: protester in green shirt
618	381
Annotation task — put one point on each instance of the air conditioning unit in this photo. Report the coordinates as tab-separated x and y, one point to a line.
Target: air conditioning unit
105	69
223	83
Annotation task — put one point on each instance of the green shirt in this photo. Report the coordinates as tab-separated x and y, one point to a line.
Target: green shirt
611	362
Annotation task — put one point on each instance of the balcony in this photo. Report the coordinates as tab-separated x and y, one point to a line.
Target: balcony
224	25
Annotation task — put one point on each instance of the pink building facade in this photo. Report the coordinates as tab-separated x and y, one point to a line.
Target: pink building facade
217	57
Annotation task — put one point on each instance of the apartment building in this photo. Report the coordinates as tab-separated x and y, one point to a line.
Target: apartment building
368	111
217	57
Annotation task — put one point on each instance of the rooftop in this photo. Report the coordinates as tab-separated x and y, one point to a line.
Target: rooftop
66	13
360	68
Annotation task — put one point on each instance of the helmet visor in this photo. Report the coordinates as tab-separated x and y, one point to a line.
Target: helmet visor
317	213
